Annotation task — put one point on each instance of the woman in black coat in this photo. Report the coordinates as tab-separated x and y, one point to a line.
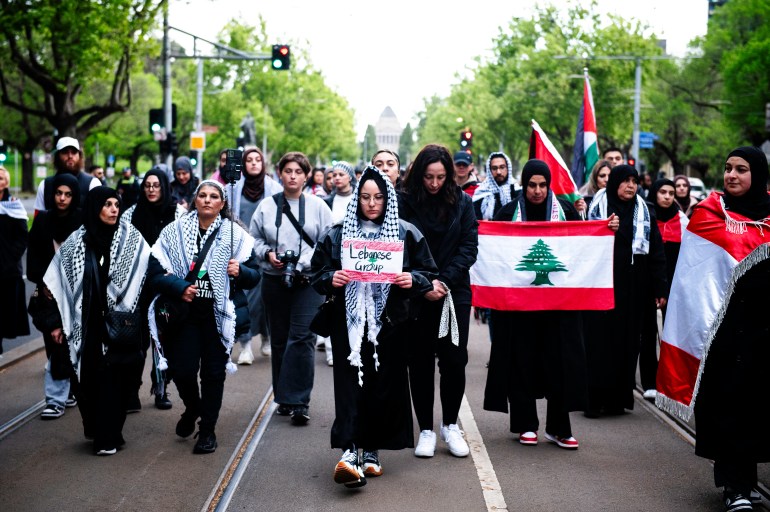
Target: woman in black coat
613	337
371	390
537	354
49	231
13	239
732	411
432	201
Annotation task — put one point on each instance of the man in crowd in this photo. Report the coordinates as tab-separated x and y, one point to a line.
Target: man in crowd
97	172
128	189
68	158
497	190
464	173
614	156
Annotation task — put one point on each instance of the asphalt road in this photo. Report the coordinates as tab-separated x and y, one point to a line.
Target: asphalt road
633	462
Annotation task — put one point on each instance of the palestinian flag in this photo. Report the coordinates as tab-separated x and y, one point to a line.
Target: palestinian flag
716	251
542	266
561	180
586	148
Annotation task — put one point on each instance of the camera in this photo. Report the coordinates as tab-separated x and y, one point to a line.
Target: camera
289	258
233	165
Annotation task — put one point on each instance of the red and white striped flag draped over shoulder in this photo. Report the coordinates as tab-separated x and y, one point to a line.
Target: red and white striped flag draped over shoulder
542	266
716	251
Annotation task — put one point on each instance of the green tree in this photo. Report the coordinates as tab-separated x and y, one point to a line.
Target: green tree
542	262
406	144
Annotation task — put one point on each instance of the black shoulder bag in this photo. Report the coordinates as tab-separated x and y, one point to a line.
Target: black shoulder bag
170	311
123	327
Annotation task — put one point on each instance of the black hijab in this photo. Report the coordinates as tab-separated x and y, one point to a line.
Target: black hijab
663	214
371	174
150	218
755	203
98	234
62	224
535	167
254	184
618	175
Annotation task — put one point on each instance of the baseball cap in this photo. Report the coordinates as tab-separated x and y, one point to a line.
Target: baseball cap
461	157
67	142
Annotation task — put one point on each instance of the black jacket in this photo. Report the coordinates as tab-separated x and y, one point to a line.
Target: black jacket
417	260
458	248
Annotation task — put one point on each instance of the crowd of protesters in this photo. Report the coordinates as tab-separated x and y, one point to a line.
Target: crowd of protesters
184	269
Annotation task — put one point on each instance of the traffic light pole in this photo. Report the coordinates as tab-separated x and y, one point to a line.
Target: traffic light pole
167	83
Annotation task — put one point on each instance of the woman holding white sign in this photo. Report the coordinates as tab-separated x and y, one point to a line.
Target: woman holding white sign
369	312
433	202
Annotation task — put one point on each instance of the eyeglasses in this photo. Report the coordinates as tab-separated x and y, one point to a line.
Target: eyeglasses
495	168
151	186
377	198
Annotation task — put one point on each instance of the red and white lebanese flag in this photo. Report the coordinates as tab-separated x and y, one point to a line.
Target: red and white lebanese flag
715	253
542	266
540	147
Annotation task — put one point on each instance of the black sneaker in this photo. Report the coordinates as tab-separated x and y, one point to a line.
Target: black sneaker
186	424
51	412
134	405
71	401
371	460
162	402
283	410
207	442
348	470
300	415
736	501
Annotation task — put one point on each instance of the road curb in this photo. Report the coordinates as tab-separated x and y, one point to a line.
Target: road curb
21	352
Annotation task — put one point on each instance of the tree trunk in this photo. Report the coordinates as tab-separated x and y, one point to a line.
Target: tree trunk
27	171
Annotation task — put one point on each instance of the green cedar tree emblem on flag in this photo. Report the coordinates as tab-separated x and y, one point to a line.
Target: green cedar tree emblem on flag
541	261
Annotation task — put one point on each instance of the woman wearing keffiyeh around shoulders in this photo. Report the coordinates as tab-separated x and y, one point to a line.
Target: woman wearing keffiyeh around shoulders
716	343
99	268
371	387
218	309
613	337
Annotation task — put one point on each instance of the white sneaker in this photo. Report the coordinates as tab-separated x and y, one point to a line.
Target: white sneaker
650	394
426	444
265	349
329	358
453	436
246	356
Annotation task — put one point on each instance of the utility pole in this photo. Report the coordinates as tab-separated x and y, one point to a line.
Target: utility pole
167	83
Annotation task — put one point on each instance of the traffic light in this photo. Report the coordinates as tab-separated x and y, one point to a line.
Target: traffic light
466	139
3	152
156	120
281	57
632	162
194	158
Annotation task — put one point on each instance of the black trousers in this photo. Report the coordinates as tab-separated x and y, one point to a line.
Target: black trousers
524	417
198	348
105	390
737	475
648	353
424	346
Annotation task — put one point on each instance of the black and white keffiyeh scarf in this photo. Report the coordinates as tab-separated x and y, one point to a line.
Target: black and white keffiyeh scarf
367	298
14	209
175	249
641	223
129	254
489	188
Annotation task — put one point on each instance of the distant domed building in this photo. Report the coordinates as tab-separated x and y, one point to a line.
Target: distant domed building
388	130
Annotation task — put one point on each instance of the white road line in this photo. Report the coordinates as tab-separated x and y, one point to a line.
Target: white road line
493	494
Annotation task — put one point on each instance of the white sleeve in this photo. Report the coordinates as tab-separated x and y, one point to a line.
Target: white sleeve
94	183
40	197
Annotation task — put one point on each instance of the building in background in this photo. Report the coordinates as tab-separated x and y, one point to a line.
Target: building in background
388	130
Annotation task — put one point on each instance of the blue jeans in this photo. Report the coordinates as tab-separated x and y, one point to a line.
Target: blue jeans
56	391
289	312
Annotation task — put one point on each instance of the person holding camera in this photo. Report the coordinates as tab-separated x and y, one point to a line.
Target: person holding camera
221	255
247	192
286	228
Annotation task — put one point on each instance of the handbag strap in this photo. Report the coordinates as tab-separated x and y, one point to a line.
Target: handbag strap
201	257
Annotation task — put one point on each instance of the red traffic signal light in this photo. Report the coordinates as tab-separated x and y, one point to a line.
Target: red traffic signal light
466	139
632	162
281	58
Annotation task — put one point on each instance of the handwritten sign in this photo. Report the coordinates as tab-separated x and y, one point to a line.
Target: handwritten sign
372	261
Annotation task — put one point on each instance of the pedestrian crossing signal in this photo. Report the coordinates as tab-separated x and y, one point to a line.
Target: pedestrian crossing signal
281	57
